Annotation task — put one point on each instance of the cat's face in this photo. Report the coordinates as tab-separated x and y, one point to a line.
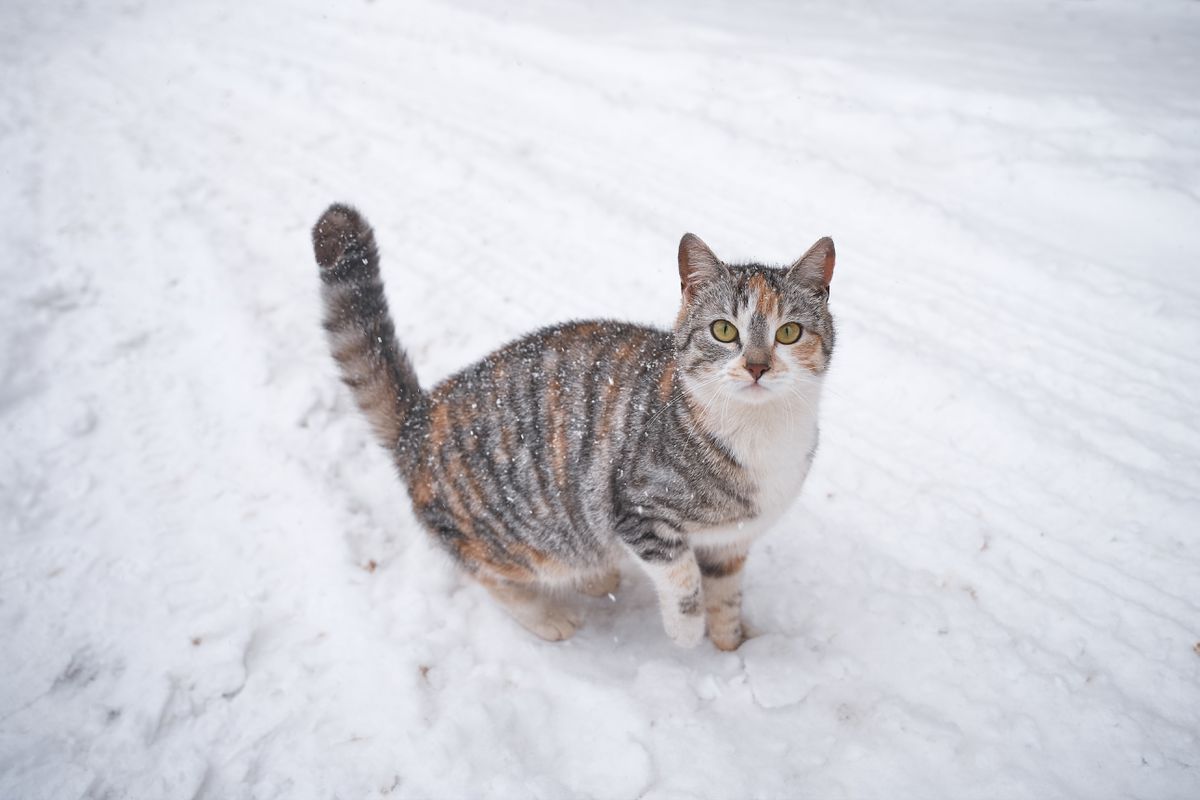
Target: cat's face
751	334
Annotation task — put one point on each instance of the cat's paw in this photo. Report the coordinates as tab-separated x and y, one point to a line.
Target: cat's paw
601	585
685	630
728	638
551	624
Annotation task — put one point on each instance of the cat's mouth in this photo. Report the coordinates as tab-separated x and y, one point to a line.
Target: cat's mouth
754	392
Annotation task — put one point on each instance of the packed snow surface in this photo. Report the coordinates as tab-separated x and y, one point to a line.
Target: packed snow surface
211	584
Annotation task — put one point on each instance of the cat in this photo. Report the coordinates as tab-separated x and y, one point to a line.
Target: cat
556	456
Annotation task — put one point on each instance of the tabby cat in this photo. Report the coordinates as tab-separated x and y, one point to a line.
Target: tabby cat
547	462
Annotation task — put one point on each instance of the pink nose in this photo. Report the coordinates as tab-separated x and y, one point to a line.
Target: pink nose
757	370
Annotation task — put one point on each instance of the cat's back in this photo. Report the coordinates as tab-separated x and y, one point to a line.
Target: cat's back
564	359
527	441
562	391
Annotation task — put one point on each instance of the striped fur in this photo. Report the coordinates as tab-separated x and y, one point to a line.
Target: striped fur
546	462
361	334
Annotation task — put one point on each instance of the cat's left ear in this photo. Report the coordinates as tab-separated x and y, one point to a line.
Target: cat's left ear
815	268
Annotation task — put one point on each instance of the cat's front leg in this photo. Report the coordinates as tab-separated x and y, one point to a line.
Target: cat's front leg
721	578
666	557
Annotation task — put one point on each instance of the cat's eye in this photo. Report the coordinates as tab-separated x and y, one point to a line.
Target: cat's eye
789	333
724	331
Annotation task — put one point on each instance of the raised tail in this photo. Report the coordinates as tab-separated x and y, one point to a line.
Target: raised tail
361	334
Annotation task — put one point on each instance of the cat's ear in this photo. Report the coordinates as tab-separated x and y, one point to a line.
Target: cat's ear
697	265
815	268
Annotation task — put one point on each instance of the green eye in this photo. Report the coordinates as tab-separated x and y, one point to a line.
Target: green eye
723	331
789	333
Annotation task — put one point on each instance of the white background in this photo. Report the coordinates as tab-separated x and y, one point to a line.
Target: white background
990	587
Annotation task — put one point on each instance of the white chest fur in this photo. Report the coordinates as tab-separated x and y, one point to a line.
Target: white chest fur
776	447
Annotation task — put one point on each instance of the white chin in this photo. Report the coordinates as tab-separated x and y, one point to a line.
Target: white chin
754	394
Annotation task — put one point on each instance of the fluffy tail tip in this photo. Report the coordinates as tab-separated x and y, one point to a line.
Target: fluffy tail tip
338	228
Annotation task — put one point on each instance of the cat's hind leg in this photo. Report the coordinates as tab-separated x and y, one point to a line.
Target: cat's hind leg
601	583
535	608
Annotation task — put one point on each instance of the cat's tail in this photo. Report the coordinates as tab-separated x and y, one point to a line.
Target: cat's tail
361	334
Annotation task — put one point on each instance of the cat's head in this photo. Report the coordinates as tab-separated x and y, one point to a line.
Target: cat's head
754	334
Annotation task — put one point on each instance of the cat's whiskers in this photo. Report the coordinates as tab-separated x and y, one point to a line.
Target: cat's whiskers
708	401
725	410
791	418
808	379
679	396
798	394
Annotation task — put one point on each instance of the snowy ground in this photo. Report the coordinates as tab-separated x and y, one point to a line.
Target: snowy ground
211	585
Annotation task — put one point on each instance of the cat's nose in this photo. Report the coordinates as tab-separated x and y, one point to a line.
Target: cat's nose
757	370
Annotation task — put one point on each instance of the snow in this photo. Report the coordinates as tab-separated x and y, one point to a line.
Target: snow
211	585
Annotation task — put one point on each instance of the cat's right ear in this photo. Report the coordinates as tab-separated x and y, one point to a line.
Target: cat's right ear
698	265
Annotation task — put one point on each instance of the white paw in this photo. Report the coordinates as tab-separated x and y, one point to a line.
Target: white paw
685	630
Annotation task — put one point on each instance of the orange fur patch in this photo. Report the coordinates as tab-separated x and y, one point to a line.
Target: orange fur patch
515	562
722	568
585	330
545	565
558	432
458	509
667	382
439	424
682	573
421	487
479	558
809	353
767	301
